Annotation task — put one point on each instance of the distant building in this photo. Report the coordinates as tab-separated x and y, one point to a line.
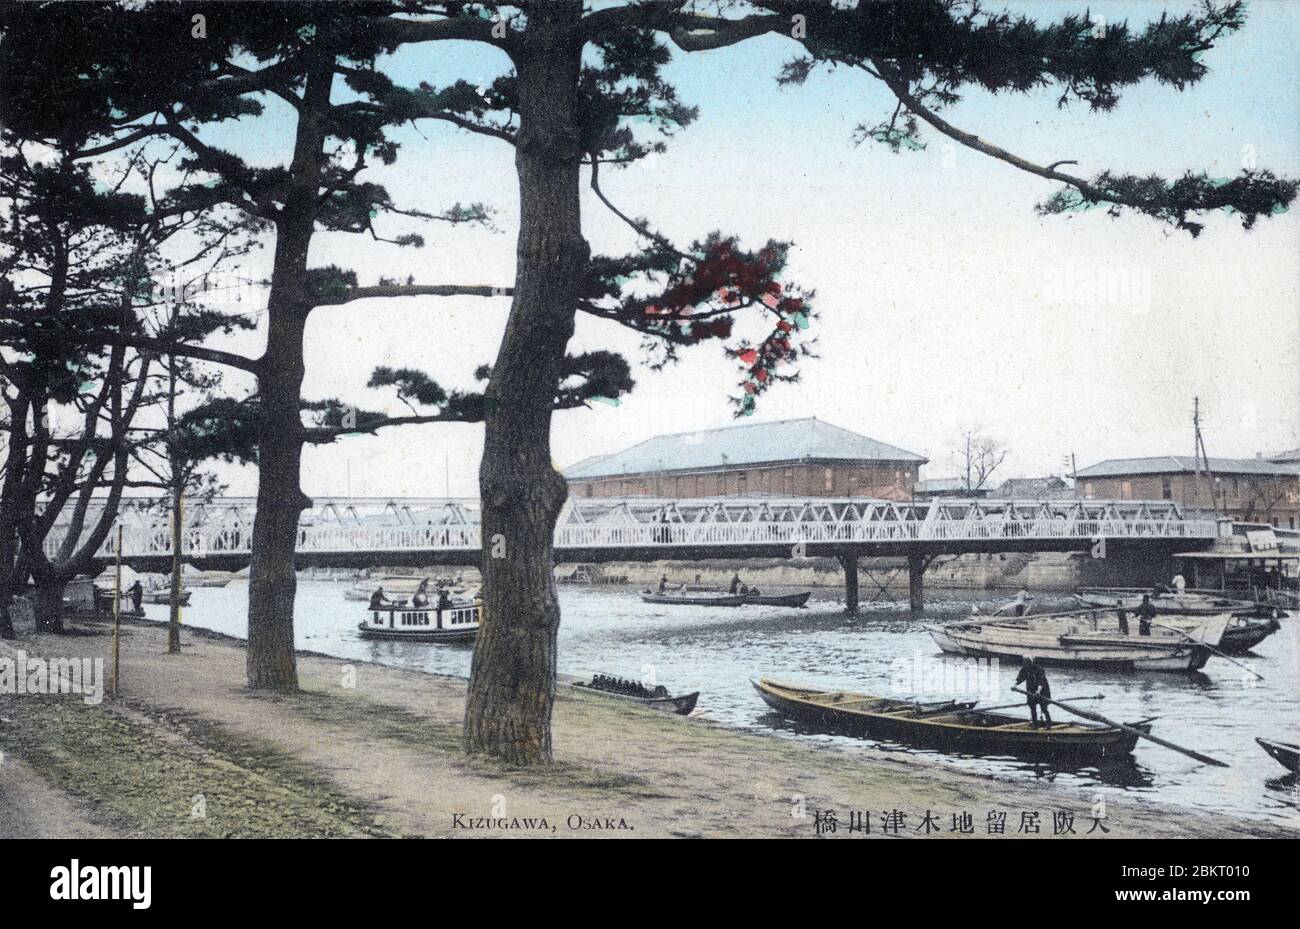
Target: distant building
794	457
1033	488
1247	489
947	487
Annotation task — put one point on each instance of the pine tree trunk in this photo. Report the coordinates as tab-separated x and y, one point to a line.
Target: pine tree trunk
178	487
174	600
272	583
512	680
47	606
6	617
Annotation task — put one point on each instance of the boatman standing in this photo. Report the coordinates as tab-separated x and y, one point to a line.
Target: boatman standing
1146	612
1036	686
735	584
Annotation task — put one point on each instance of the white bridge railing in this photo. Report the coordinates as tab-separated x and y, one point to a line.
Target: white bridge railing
641	523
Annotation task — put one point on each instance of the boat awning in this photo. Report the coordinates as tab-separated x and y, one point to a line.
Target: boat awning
1241	556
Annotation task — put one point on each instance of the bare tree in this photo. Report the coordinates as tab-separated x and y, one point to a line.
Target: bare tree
981	455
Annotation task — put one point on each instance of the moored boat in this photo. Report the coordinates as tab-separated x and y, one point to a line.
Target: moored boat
951	725
1090	638
164	595
1286	754
456	621
655	698
1187	603
1245	632
682	599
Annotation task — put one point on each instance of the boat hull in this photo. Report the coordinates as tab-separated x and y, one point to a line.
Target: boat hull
422	635
164	596
1074	640
1286	755
681	704
728	600
1243	634
1001	735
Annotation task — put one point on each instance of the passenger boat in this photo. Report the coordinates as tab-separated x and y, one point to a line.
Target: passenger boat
458	621
1089	638
951	725
1287	755
1187	603
680	599
657	698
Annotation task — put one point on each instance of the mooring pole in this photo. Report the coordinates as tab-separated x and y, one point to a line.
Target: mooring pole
849	562
915	577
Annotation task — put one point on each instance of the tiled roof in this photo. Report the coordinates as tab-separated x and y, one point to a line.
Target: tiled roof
807	439
1180	464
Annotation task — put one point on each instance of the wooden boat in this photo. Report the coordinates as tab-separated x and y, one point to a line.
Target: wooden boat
681	599
953	726
658	699
1245	632
458	621
1087	638
1187	603
1286	754
163	595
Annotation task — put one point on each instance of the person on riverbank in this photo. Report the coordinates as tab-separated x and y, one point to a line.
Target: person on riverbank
1037	688
136	593
1146	612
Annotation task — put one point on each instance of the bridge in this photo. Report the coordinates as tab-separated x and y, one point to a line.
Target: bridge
362	532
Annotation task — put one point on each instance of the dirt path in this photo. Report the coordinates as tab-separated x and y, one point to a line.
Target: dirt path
369	750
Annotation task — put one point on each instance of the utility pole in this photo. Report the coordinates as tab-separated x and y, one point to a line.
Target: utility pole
1201	456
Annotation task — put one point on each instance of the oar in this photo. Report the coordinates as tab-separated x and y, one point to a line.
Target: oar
1097	717
1193	638
1012	706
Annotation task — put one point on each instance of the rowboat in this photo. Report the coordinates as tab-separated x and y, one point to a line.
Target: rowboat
1090	638
656	699
952	725
679	599
1187	603
1286	754
457	621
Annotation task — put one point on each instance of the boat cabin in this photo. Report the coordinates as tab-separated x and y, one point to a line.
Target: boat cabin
458	619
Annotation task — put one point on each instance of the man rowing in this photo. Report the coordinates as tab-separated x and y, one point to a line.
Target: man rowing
1037	688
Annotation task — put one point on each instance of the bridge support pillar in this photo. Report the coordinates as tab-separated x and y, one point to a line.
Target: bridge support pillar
915	581
849	562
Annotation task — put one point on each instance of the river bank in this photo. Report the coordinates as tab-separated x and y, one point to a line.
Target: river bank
369	750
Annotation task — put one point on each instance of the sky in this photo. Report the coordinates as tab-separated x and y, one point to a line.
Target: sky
946	303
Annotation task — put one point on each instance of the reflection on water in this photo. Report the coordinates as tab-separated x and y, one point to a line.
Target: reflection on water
1218	711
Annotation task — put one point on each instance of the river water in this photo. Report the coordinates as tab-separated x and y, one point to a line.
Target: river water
1217	711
